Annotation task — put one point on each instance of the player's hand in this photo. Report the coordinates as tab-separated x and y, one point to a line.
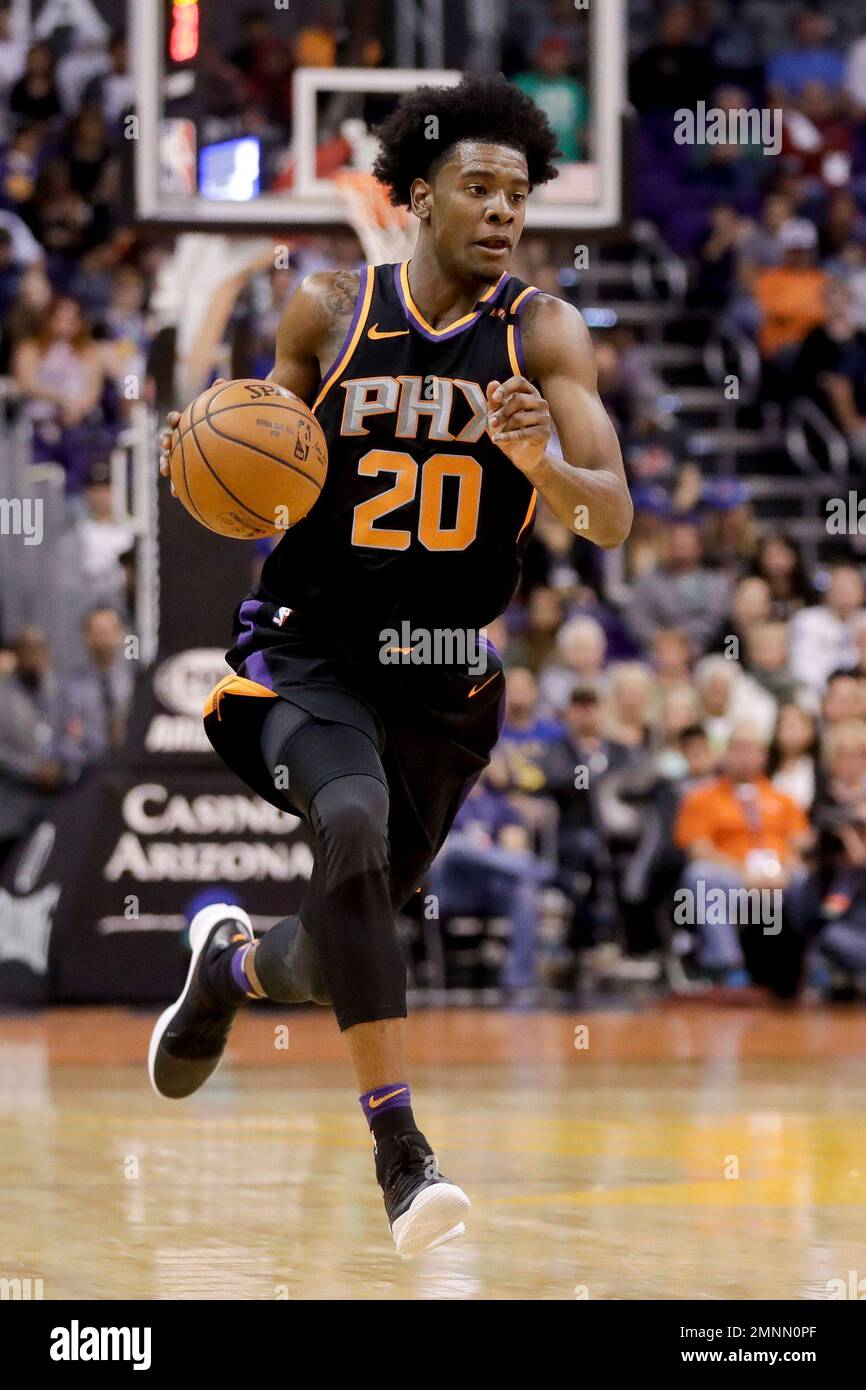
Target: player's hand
166	442
519	421
166	439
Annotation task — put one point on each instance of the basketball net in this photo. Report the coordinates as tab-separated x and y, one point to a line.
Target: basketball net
386	233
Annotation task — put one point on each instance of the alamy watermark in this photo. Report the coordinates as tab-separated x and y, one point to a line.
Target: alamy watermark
718	907
22	516
741	126
435	646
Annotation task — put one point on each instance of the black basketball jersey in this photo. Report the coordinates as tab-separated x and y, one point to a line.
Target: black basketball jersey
421	517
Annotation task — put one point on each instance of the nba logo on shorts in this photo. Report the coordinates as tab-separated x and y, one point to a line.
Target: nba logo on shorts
280	616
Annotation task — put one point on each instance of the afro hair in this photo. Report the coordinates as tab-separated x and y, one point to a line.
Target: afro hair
479	108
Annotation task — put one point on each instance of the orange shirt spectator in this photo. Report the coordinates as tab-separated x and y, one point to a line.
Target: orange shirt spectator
793	304
791	295
715	814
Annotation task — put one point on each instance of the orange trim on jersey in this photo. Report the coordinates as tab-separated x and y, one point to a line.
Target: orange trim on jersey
449	327
530	513
512	351
512	330
235	685
530	289
341	361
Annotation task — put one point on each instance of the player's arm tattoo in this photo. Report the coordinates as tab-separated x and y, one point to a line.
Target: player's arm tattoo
340	299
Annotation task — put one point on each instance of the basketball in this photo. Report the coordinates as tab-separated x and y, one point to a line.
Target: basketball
249	459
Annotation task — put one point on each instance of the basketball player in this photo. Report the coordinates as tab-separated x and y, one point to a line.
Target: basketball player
437	384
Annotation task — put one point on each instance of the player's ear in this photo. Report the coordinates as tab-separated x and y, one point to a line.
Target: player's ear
421	196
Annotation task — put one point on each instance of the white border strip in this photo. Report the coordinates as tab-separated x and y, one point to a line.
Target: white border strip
313	199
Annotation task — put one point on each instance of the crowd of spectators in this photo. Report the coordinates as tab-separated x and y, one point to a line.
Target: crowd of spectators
770	211
695	720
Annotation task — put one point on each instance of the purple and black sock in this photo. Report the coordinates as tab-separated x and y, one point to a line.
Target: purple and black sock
388	1110
226	976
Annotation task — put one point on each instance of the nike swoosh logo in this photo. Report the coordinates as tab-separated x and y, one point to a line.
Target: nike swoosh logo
399	649
390	1096
374	333
477	688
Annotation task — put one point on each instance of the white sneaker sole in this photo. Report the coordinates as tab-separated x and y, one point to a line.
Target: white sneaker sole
434	1217
199	930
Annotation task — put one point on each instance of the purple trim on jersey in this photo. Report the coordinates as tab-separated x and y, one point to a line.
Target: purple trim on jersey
518	345
365	271
247	615
256	670
452	332
502	712
253	666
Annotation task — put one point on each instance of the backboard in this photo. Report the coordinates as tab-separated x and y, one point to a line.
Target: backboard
195	169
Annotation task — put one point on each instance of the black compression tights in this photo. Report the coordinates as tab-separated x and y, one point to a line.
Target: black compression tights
343	947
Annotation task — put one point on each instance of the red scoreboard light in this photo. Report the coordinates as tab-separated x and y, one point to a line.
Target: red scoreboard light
183	36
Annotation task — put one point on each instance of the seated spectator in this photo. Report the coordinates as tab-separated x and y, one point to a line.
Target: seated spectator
30	769
656	865
831	365
817	140
525	735
98	541
126	331
561	97
98	698
87	147
739	831
790	297
581	645
792	762
20	163
680	710
812	59
843	769
59	371
61	219
84	56
729	529
844	697
525	738
831	903
729	697
34	97
675	71
654	453
750	605
683	593
113	92
537	642
718	257
767	657
843	225
630	704
574	765
671	658
486	868
822	637
316	44
636	369
26	316
780	564
761	247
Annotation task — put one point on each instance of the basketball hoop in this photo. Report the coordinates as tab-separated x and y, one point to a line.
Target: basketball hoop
386	233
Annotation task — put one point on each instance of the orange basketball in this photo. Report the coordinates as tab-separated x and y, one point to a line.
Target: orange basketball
249	459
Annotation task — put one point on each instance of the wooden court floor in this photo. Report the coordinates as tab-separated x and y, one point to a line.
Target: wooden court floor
686	1152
